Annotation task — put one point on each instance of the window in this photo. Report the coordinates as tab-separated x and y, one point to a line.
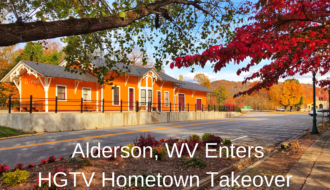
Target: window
143	97
150	96
116	96
166	99
86	94
320	98
61	92
321	91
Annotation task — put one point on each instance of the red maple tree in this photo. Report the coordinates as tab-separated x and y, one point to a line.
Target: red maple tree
293	34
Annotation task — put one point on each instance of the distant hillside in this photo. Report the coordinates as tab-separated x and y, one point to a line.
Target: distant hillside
234	87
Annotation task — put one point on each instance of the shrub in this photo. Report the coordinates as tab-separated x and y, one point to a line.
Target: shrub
19	166
73	160
146	141
195	161
16	177
85	162
129	149
30	165
3	168
161	140
213	139
205	135
61	158
226	142
194	136
190	144
51	159
170	142
58	169
160	152
43	161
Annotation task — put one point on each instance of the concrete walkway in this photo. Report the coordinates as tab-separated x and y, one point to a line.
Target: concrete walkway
312	171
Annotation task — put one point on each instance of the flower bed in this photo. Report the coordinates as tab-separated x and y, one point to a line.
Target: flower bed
185	166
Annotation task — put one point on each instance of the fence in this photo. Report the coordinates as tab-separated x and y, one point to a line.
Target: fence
32	104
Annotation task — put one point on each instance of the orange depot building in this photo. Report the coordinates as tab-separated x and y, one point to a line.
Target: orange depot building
49	88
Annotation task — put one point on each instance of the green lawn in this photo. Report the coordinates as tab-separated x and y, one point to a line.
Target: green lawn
8	132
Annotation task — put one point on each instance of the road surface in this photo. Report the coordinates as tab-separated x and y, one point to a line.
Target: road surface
258	129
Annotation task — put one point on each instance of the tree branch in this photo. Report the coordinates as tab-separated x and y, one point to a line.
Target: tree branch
14	33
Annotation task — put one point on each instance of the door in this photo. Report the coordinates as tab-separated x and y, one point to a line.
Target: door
150	99
181	102
159	100
131	99
199	104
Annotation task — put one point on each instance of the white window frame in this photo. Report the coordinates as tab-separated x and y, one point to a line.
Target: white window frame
201	103
151	95
168	96
113	96
174	98
66	92
90	95
146	97
133	99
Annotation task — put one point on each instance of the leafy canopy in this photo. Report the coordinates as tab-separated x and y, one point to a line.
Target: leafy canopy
293	34
113	29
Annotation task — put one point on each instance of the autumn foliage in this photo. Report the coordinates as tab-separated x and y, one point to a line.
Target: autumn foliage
293	34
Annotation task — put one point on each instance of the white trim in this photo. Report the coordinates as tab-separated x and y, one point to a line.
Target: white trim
63	63
66	92
133	99
76	84
168	104
90	95
161	85
160	99
174	98
102	97
126	79
15	72
113	96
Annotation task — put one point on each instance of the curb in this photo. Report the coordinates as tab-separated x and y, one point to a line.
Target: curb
206	182
18	136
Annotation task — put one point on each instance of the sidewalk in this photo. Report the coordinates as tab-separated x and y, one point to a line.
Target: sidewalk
312	171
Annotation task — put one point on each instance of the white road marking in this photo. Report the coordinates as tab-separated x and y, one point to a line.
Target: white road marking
239	138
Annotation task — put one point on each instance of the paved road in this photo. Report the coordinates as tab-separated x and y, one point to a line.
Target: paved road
259	129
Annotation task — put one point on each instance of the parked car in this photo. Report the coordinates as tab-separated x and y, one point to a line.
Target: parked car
280	109
320	112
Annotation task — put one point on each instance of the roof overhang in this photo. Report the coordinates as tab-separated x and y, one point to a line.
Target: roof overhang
18	71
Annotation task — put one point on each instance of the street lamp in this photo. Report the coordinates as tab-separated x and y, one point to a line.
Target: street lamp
314	129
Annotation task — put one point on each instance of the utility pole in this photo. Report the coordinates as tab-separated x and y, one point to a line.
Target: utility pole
314	129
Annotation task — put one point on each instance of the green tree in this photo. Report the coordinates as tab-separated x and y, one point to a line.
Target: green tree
35	52
221	93
115	28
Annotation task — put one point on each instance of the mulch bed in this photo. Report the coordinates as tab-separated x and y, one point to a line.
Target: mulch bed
282	161
126	167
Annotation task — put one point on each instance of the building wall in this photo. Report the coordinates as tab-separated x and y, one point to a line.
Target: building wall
32	86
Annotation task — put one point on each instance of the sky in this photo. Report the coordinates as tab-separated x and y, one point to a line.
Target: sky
227	73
